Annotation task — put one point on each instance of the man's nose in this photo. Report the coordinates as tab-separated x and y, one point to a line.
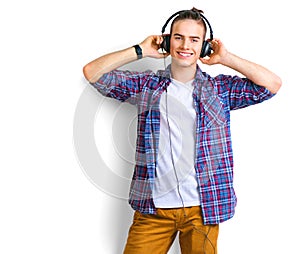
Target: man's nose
185	43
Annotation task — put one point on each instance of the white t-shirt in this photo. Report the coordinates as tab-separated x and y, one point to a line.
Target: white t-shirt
181	115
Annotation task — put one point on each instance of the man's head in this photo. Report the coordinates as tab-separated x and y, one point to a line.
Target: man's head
187	35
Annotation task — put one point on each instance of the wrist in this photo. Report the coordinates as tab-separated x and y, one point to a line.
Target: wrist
227	59
138	51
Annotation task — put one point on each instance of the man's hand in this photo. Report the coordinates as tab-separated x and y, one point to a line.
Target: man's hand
151	45
218	56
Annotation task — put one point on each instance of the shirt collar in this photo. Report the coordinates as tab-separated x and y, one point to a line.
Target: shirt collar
167	73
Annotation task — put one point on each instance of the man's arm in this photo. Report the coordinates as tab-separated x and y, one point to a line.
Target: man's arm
96	68
256	73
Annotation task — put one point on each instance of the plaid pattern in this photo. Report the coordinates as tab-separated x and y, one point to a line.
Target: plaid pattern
213	98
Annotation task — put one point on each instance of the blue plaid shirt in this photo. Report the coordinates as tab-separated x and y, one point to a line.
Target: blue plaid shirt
213	98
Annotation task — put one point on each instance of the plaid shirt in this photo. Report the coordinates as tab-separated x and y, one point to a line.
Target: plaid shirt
213	98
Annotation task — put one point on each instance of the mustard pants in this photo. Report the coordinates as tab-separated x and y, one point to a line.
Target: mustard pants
154	234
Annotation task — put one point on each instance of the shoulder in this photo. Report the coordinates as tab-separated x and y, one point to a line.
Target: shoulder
224	83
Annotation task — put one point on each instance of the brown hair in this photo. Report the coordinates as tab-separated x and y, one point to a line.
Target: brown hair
193	14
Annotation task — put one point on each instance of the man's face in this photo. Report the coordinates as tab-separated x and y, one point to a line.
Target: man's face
186	42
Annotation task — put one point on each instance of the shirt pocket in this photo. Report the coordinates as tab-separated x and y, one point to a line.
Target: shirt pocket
214	112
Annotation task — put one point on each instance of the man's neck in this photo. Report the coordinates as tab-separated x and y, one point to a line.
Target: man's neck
183	74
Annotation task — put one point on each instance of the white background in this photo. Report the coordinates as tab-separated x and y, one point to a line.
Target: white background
48	204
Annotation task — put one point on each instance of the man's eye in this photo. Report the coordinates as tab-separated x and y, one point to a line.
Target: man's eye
177	37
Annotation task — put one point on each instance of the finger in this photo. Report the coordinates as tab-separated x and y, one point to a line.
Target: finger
163	55
159	39
204	60
215	45
217	40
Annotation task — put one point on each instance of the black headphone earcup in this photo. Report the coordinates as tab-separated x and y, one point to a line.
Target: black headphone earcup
166	43
206	49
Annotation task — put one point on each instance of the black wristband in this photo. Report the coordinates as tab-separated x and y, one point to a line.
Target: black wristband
138	51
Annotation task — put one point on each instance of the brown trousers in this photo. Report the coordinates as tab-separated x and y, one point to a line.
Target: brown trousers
154	234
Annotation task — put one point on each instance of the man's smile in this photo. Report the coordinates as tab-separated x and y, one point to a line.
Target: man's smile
184	54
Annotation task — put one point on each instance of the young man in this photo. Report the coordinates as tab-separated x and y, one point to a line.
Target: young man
184	163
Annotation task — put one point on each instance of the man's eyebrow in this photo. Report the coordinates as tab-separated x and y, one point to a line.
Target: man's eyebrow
194	37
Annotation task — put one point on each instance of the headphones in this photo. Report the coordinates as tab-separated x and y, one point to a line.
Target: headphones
206	46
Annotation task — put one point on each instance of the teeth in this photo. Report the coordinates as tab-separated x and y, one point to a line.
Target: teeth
184	54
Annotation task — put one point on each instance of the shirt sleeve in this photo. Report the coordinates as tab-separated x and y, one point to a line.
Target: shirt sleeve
122	85
242	92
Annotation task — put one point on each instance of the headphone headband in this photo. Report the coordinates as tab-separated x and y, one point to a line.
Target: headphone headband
168	20
179	12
